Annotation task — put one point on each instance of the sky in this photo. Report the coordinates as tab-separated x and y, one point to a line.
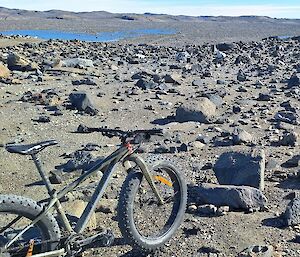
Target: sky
272	8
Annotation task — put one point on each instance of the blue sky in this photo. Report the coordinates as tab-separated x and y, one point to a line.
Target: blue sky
273	8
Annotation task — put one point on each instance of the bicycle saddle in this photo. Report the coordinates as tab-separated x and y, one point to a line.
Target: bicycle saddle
30	149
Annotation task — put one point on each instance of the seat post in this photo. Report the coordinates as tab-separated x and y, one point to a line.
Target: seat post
42	173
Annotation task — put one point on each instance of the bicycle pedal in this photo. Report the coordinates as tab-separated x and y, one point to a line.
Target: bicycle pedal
106	238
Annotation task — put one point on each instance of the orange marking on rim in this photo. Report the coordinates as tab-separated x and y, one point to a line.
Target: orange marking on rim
163	180
30	248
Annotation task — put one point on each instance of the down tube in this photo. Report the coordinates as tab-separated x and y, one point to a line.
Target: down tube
100	189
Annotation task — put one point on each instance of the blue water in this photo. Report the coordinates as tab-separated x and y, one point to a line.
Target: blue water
97	37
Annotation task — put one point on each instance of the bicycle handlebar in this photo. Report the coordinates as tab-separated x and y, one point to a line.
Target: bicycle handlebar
146	133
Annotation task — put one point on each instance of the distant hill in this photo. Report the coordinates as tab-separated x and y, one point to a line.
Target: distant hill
17	14
188	29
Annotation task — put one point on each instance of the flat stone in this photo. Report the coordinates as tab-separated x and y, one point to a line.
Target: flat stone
236	197
77	63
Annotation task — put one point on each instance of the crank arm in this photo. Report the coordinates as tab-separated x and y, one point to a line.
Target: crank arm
106	238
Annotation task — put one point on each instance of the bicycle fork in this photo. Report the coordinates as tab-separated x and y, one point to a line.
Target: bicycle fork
141	163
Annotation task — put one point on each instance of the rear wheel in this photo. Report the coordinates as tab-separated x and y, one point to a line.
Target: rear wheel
145	223
16	213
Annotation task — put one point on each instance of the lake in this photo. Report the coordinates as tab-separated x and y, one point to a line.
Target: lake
97	37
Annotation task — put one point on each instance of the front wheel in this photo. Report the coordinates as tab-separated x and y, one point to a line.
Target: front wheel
145	223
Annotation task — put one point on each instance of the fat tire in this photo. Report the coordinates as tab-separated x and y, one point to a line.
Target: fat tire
30	209
125	209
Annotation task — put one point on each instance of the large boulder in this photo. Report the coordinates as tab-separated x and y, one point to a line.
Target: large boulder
241	168
4	71
81	102
20	63
236	197
202	111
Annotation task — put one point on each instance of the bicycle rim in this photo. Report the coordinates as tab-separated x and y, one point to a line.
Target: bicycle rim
12	224
151	219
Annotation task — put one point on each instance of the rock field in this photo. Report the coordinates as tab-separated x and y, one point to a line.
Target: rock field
230	114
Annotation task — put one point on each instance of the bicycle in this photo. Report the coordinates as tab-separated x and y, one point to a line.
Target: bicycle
38	232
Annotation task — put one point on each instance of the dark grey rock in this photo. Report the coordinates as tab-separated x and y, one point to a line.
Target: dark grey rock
241	76
182	148
202	111
236	109
292	162
286	116
79	160
172	78
242	59
241	168
294	81
292	213
146	84
86	81
162	148
258	251
128	18
289	139
42	119
264	97
182	57
20	63
207	209
236	197
225	46
81	102
221	82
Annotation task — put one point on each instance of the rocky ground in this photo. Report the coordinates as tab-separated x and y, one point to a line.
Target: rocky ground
230	115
